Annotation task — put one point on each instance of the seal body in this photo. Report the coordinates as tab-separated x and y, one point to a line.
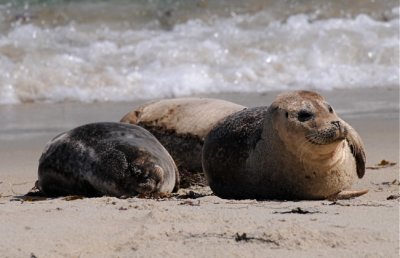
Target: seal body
112	159
181	125
297	148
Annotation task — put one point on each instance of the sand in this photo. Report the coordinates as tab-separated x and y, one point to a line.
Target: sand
194	223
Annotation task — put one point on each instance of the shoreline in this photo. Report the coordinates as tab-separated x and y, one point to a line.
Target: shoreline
367	226
47	117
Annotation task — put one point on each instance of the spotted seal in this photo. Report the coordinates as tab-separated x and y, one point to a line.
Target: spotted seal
181	125
113	159
297	148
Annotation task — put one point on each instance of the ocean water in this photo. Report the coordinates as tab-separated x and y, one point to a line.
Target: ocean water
96	51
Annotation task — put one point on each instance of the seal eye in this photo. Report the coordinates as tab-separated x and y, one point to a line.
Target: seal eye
286	114
330	109
304	115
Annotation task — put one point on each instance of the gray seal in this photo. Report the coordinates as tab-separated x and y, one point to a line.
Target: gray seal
297	148
113	159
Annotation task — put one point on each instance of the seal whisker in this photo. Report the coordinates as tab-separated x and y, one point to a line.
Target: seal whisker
314	138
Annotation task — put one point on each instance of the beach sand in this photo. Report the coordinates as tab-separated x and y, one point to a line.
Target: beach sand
194	223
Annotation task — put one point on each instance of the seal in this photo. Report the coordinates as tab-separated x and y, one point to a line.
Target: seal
297	148
113	159
181	125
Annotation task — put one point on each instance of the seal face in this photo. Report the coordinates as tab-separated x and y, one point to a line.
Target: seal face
112	159
181	125
298	148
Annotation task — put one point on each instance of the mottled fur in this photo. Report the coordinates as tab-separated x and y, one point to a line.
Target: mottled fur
106	159
181	125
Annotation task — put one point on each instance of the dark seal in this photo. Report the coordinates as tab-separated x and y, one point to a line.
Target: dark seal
113	159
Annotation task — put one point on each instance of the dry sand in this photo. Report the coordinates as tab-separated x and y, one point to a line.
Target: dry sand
198	224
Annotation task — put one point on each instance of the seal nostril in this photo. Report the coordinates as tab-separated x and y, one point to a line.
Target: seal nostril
304	115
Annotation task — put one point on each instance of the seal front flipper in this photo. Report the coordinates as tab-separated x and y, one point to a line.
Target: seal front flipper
130	170
357	149
150	181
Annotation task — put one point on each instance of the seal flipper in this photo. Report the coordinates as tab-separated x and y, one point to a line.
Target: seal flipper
357	149
347	194
150	179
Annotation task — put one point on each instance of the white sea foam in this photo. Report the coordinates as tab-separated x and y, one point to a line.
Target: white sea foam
249	52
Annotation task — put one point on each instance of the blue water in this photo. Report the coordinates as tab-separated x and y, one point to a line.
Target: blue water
54	51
